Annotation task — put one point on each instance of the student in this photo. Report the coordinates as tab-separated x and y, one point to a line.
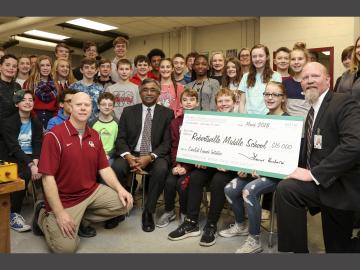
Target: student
33	59
106	125
155	56
199	177
231	79
142	64
42	85
346	61
245	191
65	108
282	61
88	68
170	89
253	83
189	63
8	86
350	82
179	175
120	45
296	104
24	68
90	51
22	135
245	61
217	64
105	71
126	93
178	62
62	74
62	51
205	86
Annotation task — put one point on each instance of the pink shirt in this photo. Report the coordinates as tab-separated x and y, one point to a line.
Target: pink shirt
170	99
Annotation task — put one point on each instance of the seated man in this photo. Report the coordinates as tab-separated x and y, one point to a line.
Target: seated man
328	179
144	142
72	155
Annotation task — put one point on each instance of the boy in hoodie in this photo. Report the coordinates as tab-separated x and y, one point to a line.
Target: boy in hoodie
64	111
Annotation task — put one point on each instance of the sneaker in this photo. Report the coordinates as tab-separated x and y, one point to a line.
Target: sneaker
235	230
166	218
17	223
187	229
208	237
251	245
34	224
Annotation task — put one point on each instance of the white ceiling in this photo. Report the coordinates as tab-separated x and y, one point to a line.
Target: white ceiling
132	26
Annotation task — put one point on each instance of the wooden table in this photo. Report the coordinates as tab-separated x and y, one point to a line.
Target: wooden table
5	190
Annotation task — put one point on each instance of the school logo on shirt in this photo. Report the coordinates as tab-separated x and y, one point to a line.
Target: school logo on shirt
91	144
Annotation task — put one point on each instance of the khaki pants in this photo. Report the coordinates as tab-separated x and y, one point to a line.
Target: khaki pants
102	205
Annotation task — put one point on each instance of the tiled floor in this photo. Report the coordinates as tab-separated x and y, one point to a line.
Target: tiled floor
128	237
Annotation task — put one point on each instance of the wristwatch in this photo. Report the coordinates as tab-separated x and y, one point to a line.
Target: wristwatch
152	156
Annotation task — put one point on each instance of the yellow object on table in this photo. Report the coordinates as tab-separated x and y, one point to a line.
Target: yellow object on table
8	171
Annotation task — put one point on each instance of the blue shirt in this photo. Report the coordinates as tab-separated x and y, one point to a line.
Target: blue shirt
255	103
24	138
93	90
57	120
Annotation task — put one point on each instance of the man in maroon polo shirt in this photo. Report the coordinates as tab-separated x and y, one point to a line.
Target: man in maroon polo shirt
70	159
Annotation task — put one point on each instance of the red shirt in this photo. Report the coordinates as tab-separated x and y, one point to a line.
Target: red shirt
74	162
137	80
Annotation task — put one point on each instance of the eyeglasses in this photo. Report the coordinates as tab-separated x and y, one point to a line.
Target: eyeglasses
244	55
267	95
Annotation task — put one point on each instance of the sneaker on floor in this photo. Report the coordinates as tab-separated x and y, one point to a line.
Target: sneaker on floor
235	230
166	218
251	245
208	237
35	226
187	229
17	223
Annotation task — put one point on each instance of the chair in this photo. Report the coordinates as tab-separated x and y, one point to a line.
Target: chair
272	219
143	175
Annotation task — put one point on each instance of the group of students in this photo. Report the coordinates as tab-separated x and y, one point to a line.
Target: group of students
246	84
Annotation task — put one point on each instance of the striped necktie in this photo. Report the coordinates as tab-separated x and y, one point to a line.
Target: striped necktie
146	135
309	128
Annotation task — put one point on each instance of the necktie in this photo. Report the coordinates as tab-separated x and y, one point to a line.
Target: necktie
308	127
146	135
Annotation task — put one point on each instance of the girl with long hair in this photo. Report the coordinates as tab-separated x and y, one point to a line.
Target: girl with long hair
42	85
231	79
170	89
253	83
62	74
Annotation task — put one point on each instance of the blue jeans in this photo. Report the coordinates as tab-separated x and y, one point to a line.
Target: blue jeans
252	190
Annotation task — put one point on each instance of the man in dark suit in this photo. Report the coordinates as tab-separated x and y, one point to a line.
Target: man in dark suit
328	177
143	143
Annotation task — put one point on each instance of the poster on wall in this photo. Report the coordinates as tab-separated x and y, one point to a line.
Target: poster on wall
231	53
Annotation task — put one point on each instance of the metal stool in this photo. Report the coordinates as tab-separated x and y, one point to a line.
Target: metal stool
272	219
143	175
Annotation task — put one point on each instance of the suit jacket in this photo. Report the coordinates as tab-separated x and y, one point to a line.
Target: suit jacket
337	165
10	148
130	125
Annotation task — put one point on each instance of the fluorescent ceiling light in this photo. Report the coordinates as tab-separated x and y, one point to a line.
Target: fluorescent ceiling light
92	25
43	34
35	41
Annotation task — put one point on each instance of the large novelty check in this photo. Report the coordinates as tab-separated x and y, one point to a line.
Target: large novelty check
232	141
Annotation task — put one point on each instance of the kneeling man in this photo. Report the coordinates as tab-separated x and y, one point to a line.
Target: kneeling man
71	156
